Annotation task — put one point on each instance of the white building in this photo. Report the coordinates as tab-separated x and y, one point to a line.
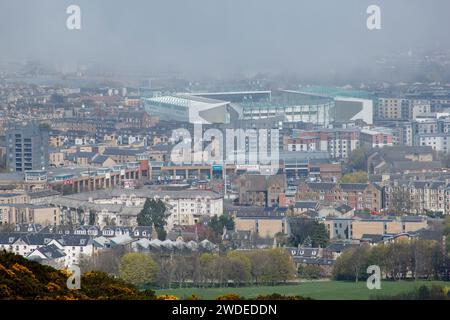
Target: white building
121	206
28	245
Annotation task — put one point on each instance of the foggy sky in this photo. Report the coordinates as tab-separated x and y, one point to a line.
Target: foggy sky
218	37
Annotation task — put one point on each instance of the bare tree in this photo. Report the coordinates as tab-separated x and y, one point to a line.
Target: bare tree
107	260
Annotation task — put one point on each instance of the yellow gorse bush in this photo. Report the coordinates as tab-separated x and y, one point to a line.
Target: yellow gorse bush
167	297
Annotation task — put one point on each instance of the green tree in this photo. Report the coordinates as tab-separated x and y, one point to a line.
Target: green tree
260	260
281	265
446	233
208	270
358	262
319	237
358	160
355	177
446	229
311	272
154	214
138	268
237	268
352	264
92	218
302	228
218	223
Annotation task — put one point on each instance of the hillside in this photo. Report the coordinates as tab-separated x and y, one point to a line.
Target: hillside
24	279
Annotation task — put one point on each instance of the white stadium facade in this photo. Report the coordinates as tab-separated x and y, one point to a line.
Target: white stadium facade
292	106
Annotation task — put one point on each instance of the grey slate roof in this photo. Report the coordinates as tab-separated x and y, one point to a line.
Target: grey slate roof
306	204
51	251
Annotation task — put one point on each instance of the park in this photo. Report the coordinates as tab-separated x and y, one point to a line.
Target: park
319	290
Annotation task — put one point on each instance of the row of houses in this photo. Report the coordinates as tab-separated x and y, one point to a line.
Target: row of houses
401	195
65	250
61	250
356	195
269	223
418	196
121	206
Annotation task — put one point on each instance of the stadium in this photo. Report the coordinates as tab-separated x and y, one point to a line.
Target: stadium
206	108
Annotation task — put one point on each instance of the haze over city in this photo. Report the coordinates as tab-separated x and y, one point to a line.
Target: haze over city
219	38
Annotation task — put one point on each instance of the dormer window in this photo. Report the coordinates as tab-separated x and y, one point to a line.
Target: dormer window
11	240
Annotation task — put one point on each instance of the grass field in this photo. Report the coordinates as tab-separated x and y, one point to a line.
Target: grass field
321	290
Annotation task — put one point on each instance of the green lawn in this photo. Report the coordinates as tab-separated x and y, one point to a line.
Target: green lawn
325	290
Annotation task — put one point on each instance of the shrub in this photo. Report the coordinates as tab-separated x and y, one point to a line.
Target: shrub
435	292
277	296
167	297
229	296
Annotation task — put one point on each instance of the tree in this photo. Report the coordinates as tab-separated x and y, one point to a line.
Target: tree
106	260
138	268
420	258
352	264
319	237
260	261
358	261
183	268
358	160
311	271
154	214
341	267
167	267
355	177
237	268
271	265
302	228
208	271
281	265
92	218
245	262
218	223
446	232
